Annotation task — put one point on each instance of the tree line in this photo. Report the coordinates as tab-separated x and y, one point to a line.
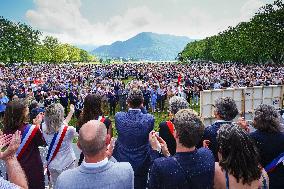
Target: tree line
21	43
260	40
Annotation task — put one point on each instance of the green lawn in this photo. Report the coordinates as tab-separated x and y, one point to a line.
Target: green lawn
159	117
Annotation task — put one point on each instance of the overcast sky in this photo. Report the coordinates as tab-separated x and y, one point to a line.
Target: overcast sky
100	22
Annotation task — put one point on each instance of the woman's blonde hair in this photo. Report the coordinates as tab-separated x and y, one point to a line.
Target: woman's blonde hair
54	118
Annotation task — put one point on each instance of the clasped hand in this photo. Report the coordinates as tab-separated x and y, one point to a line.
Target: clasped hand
157	142
11	142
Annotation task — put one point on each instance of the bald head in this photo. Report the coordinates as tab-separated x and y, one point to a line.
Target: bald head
92	137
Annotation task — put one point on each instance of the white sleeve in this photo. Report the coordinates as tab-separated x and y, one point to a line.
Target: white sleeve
72	132
4	184
130	183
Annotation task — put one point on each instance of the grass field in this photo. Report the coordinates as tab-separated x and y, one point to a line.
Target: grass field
159	117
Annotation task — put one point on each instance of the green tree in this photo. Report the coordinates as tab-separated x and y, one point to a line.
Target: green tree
259	40
21	43
61	53
51	44
74	53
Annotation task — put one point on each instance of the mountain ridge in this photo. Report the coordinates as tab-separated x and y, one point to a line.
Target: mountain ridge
145	46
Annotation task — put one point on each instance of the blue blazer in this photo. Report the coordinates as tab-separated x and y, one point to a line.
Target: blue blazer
210	133
270	146
132	145
183	170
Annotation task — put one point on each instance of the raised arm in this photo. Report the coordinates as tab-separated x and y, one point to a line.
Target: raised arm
70	114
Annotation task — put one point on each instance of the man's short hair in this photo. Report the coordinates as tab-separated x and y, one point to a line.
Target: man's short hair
226	108
135	98
92	137
189	127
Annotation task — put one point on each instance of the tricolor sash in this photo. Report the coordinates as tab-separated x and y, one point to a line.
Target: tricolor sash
275	163
171	127
27	137
55	144
101	119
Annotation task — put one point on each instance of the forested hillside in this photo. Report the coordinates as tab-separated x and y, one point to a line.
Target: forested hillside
257	41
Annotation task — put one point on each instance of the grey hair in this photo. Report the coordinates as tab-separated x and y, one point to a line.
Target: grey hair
226	108
189	127
34	104
54	117
177	103
267	119
97	142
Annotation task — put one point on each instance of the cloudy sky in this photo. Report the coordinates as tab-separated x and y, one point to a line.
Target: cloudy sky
97	22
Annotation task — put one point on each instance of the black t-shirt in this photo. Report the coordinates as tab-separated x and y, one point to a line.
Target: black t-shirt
107	122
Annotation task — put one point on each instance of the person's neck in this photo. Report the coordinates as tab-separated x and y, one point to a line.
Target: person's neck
131	108
181	148
218	117
95	159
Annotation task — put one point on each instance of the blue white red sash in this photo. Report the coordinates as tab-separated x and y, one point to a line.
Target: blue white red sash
275	163
171	127
27	137
101	119
55	144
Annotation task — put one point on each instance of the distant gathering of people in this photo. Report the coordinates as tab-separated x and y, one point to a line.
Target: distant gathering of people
115	130
70	83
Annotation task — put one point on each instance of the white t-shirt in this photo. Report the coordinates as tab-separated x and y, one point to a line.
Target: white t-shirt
66	154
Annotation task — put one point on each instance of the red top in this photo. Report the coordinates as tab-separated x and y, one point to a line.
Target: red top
179	79
31	160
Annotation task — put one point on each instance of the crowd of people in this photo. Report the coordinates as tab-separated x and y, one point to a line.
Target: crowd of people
38	103
184	154
71	83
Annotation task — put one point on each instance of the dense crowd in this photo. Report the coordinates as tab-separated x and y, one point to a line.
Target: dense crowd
158	82
39	102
